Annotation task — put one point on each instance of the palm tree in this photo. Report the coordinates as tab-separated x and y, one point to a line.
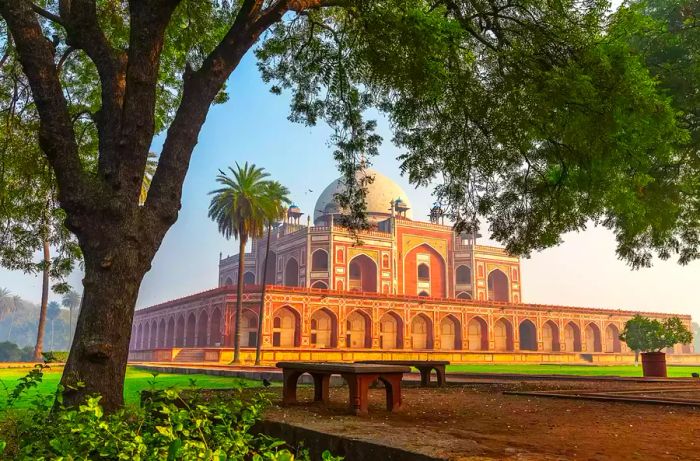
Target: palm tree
240	208
279	199
71	300
151	165
9	304
52	312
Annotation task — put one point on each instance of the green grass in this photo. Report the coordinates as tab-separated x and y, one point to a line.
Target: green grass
581	370
136	380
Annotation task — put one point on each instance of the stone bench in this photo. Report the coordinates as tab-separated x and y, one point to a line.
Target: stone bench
423	366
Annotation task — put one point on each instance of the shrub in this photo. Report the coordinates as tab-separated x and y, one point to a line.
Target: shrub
166	427
650	335
55	356
11	352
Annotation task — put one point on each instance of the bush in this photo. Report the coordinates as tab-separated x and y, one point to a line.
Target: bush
55	356
11	352
166	427
650	335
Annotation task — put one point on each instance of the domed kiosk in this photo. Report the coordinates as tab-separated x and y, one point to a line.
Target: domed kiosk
380	193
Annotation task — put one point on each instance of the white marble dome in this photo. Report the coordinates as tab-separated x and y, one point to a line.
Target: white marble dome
379	196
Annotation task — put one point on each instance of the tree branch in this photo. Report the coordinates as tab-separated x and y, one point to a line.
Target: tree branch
56	137
47	14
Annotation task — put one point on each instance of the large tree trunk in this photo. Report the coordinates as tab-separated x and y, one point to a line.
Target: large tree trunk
261	315
39	347
239	301
100	349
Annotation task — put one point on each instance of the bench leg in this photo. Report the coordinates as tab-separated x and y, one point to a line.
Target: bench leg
440	370
359	392
392	383
321	382
289	386
424	376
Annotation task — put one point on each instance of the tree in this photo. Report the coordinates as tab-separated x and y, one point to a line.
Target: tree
240	209
534	114
52	313
71	300
8	303
650	335
696	335
279	200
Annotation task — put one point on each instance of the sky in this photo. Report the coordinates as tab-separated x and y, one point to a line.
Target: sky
252	126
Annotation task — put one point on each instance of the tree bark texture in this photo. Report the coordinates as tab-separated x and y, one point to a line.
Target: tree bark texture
39	347
239	301
261	315
118	237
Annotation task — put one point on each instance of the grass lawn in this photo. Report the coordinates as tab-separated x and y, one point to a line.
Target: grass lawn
582	370
136	380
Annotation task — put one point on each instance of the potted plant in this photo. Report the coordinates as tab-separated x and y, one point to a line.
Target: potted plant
651	337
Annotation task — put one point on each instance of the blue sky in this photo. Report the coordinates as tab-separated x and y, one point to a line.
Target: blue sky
252	126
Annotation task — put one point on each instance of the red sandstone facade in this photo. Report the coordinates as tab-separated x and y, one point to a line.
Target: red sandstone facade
408	287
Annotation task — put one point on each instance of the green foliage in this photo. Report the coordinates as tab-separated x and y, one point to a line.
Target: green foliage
11	352
169	425
539	117
650	335
55	356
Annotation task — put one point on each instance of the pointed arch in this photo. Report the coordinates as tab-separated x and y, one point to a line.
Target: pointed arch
550	337
498	286
425	269
477	334
464	295
572	337
291	273
180	332
463	275
320	284
527	335
359	330
593	340
248	278
503	335
421	332
324	329
286	327
362	274
612	339
450	333
191	330
228	282
391	331
249	328
271	269
319	260
139	337
215	328
170	333
161	333
203	329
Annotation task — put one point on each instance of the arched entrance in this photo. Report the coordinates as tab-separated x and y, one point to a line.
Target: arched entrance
139	337
154	335
286	328
464	295
324	329
202	327
498	286
319	284
572	337
550	337
363	274
180	332
503	335
528	336
161	333
463	276
424	270
421	332
450	338
249	328
593	343
478	334
612	339
215	328
319	260
291	273
358	330
190	331
170	333
248	278
391	331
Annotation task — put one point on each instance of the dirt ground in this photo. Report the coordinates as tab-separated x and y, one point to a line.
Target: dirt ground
478	422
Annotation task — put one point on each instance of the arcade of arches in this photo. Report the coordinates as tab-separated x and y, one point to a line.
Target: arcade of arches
400	324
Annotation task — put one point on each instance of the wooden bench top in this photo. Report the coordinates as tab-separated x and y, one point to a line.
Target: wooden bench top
332	367
406	362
